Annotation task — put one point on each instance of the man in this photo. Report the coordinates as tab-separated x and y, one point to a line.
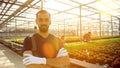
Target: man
87	37
43	50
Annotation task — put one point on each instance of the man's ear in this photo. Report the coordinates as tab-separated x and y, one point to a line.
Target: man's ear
50	22
36	21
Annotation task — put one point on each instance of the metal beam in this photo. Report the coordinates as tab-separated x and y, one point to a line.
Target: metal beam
6	3
94	9
100	26
89	15
18	10
80	24
64	3
11	3
14	16
29	7
7	10
65	11
25	10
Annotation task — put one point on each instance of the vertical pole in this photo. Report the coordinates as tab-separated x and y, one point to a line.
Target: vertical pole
111	27
64	27
58	30
100	25
102	30
15	29
9	32
119	26
42	3
28	27
80	22
77	28
6	30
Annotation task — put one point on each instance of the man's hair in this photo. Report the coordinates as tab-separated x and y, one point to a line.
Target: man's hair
42	11
89	32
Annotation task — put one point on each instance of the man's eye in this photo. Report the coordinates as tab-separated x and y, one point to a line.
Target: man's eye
40	20
46	19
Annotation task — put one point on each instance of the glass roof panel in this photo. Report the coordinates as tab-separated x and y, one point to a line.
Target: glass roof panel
34	2
21	1
52	12
8	5
68	2
3	4
32	11
85	12
75	11
56	5
113	5
30	16
5	17
38	4
9	12
84	1
63	11
15	7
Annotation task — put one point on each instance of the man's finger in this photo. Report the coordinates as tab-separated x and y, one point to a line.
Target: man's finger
25	59
65	54
25	62
27	55
28	63
61	49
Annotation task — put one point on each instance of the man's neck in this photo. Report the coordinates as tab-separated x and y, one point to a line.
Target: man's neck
44	35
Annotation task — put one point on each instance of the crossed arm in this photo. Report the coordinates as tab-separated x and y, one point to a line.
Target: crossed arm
62	59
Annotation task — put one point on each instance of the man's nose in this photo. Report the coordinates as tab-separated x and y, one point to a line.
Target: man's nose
44	21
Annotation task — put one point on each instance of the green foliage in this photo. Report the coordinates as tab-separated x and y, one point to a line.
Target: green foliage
83	45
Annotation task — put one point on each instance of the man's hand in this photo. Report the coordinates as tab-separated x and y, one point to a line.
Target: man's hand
30	59
62	52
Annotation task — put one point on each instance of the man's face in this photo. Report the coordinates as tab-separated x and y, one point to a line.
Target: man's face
43	22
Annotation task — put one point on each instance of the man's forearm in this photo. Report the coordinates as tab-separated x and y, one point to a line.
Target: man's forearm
54	62
58	62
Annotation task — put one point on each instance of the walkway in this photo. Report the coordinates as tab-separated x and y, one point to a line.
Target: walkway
9	59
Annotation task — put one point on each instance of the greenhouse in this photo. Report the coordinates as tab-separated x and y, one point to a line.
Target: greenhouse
70	20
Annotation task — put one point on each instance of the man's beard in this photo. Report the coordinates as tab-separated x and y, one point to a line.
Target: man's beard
43	28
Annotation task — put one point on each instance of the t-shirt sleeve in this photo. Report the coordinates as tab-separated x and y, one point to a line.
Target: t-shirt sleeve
61	43
27	45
